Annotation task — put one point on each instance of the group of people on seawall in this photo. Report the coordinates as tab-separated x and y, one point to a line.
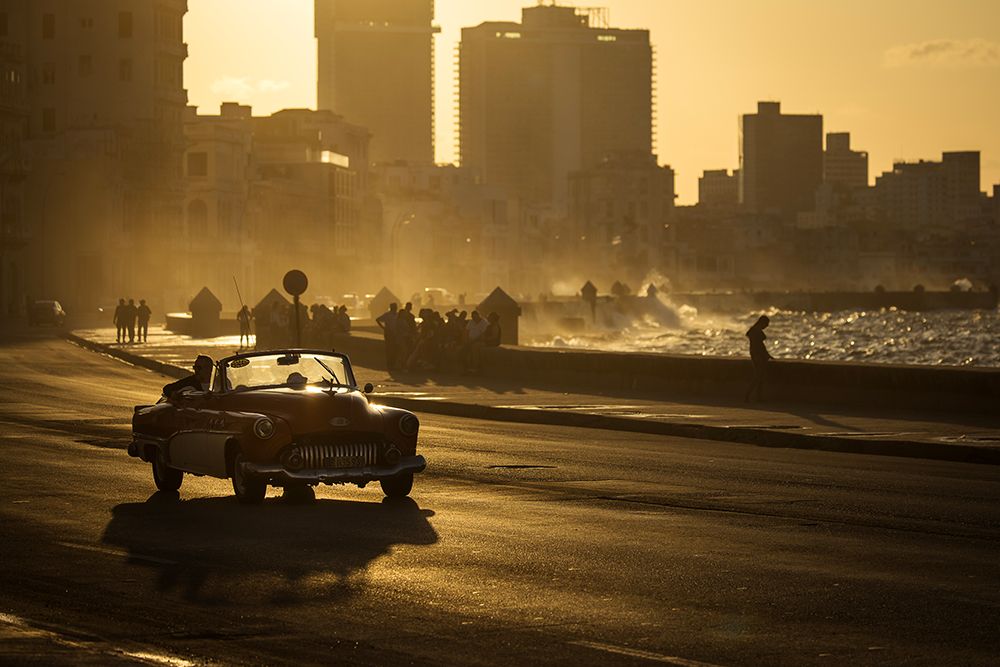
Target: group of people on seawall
131	321
455	340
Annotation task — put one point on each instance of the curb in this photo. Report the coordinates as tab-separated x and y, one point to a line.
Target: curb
956	453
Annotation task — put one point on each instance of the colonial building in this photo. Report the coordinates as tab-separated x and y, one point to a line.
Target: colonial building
266	194
106	101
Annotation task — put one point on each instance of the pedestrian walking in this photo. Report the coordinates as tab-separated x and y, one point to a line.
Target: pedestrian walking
144	313
759	356
244	317
119	320
131	315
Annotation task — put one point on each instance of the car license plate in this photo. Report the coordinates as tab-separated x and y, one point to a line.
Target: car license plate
343	461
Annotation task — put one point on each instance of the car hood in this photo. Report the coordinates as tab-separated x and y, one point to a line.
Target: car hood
309	410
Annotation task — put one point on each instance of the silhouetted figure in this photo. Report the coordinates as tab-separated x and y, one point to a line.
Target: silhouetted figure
144	312
343	320
406	329
759	356
244	317
119	321
200	381
388	321
474	341
492	335
131	315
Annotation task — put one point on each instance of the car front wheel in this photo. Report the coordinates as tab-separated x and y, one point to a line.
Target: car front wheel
165	477
248	490
397	486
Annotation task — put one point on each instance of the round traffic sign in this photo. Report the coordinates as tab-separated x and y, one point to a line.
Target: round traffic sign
295	282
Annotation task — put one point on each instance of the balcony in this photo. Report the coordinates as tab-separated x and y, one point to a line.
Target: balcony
11	52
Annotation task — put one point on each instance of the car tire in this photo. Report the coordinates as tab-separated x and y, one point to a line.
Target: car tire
397	486
165	477
248	490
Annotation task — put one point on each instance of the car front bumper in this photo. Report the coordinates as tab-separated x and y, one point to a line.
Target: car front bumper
279	475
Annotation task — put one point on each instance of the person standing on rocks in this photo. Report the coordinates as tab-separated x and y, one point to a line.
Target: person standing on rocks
759	356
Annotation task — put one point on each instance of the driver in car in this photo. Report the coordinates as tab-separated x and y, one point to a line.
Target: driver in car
200	381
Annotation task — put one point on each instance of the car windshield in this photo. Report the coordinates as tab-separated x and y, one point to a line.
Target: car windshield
290	369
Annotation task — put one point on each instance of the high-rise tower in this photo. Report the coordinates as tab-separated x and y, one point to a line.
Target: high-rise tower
376	68
552	95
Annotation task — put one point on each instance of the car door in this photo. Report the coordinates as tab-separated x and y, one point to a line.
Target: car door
199	444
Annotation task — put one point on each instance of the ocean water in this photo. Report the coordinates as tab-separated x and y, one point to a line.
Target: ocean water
952	338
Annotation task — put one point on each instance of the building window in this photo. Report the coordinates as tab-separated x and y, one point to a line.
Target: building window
49	74
198	165
48	120
3	24
86	22
124	25
48	26
125	69
86	66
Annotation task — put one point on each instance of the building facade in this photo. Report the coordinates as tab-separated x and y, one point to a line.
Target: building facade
781	160
105	133
843	166
376	67
265	194
931	194
14	162
621	209
717	187
552	95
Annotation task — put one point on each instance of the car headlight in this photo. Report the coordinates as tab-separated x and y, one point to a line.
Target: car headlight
263	428
408	425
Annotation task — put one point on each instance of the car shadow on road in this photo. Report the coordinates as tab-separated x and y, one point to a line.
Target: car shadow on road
214	551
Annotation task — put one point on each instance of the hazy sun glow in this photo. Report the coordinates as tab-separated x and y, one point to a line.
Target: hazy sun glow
908	78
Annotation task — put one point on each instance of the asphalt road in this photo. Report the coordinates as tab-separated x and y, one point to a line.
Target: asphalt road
522	545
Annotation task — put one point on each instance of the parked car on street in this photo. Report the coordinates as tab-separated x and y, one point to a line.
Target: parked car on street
287	418
46	312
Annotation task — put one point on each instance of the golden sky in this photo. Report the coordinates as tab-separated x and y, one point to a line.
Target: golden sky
908	78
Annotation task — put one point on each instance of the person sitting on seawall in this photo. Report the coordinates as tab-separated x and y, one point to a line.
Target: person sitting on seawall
200	381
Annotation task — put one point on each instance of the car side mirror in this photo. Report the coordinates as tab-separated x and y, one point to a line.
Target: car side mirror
369	388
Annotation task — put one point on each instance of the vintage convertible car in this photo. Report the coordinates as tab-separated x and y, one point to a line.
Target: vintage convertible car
289	418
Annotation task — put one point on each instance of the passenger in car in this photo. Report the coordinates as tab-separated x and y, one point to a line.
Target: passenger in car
200	381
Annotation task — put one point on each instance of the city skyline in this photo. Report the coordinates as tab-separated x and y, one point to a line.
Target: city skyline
905	92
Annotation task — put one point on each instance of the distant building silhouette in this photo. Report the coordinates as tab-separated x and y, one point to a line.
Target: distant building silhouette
843	166
552	95
106	133
931	194
781	160
717	187
622	208
376	66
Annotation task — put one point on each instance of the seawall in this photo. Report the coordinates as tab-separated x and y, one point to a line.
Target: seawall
806	383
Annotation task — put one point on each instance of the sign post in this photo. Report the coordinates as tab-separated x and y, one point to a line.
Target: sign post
295	283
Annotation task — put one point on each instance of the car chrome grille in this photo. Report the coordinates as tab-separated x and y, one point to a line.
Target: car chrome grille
341	455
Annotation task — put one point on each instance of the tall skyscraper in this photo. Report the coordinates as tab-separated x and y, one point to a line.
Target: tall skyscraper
931	194
552	95
781	160
842	165
376	68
